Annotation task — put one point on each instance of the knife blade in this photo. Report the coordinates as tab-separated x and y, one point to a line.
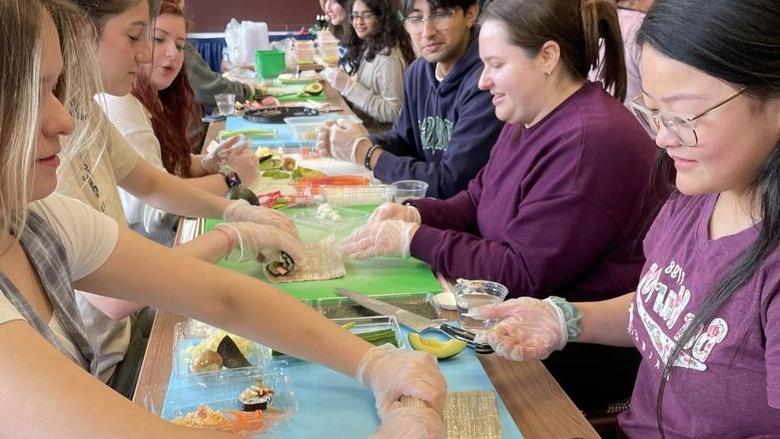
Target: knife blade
413	321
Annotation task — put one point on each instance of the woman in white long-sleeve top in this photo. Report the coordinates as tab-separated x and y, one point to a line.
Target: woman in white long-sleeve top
377	53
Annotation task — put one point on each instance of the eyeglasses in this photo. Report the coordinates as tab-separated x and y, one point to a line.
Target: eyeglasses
363	16
682	126
439	19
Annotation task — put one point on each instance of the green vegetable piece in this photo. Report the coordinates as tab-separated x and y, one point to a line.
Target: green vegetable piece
276	174
440	349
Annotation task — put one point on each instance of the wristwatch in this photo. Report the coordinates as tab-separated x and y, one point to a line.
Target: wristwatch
231	179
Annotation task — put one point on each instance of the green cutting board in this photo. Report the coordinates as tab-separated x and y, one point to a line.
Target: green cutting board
378	276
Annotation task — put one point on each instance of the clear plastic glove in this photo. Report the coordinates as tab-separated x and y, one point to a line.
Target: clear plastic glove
241	210
411	423
215	158
385	238
392	373
323	138
245	164
530	329
345	135
337	78
258	242
390	211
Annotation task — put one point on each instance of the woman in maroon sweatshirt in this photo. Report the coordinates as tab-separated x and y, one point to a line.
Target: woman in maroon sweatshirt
563	203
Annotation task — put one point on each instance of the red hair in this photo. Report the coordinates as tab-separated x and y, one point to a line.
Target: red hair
175	112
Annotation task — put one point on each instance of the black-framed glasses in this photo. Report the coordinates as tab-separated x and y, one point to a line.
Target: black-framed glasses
682	126
439	19
363	16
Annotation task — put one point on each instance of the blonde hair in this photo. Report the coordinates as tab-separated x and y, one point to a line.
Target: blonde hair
21	31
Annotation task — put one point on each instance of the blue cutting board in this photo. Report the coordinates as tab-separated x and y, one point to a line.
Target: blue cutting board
333	406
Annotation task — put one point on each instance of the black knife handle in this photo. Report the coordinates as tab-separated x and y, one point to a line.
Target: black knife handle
467	336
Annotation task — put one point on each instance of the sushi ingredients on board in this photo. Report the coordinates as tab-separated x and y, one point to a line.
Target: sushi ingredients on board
256	397
440	349
231	354
277	174
313	89
206	361
231	422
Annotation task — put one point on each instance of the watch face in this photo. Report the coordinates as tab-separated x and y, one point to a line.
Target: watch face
232	180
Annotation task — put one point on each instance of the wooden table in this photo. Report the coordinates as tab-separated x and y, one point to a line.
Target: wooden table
536	402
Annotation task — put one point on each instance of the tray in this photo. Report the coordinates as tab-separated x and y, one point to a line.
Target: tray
278	114
342	307
191	334
357	195
222	394
346	221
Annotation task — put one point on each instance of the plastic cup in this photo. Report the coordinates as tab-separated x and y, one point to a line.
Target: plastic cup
409	190
226	103
470	294
269	64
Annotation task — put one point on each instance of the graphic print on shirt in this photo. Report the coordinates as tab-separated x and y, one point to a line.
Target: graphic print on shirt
435	133
659	306
86	178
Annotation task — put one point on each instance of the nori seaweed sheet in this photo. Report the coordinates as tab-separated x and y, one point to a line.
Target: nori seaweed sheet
348	308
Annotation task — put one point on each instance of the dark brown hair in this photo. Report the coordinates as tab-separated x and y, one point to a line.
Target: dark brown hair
175	112
576	26
100	11
388	34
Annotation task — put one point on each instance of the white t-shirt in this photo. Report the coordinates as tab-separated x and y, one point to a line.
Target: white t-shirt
89	239
133	121
92	179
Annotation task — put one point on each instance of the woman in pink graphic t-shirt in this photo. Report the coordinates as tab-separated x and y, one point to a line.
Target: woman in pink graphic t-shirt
706	313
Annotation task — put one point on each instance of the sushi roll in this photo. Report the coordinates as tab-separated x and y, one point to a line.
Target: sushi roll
256	397
281	266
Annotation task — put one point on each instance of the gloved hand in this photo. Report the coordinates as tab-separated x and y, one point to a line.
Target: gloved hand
245	164
345	135
337	78
241	210
257	242
411	423
391	373
323	138
390	211
385	238
530	329
215	157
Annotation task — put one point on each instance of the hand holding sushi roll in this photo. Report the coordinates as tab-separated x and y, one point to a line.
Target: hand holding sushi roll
254	241
411	423
392	373
391	211
241	210
385	238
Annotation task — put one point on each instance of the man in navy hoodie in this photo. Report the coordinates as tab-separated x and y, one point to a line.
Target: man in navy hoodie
447	126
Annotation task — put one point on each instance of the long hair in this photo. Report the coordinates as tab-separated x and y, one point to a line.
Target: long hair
388	34
20	82
100	11
737	42
175	112
340	31
577	26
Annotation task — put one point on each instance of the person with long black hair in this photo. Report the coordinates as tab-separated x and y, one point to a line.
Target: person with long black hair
706	313
378	50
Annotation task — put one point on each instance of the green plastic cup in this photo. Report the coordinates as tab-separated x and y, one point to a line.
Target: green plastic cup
269	63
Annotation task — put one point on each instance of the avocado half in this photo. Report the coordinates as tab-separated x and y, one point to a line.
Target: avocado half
440	349
314	88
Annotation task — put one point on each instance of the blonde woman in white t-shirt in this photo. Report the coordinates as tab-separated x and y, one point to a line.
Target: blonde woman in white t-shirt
49	241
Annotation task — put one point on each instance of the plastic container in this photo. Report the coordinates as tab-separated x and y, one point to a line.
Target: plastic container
357	195
269	63
343	308
305	55
341	223
376	323
305	128
191	337
409	190
222	394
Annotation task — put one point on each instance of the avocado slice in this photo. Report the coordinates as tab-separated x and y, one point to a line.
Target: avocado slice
439	349
314	88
